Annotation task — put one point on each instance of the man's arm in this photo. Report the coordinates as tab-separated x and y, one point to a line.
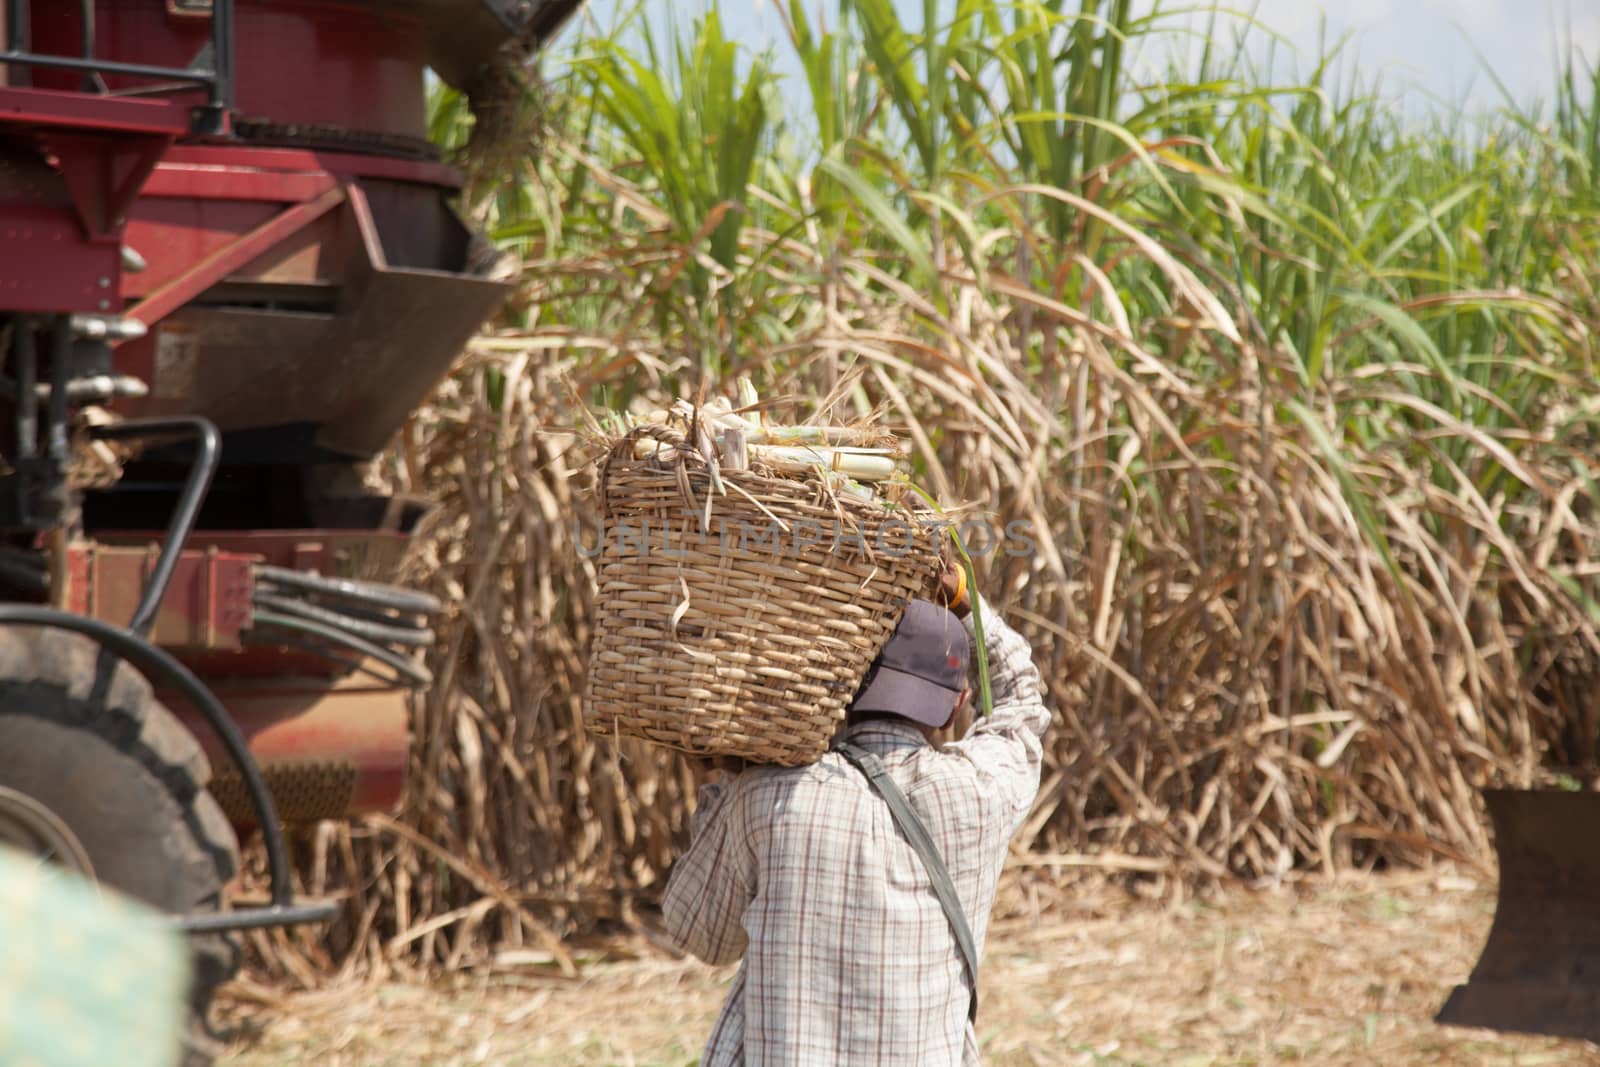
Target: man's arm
714	880
1005	745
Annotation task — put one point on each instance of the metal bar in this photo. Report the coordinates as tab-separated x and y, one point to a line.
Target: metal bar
418	676
27	376
239	156
86	29
370	594
57	444
230	257
108	66
16	25
193	182
254	918
13	23
222	54
162	669
86	20
207	455
368	227
65	109
380	632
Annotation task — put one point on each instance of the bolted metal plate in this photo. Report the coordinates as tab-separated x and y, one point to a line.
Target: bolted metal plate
1540	968
325	752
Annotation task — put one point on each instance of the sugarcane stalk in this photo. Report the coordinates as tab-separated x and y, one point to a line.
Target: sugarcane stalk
757	431
863	464
761	433
735	456
748	399
819	435
852	488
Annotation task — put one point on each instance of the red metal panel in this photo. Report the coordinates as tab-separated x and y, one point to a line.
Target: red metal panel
62	220
46	266
296	61
345	164
291	721
206	606
104	175
172	235
45	263
188	210
219	182
276	345
373	554
43	108
207	272
262	661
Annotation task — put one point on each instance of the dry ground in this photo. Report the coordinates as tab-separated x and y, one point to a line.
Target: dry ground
1327	973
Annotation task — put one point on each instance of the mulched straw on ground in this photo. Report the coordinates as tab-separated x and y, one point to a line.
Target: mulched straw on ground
1347	972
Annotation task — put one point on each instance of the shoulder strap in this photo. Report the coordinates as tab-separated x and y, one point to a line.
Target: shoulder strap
917	834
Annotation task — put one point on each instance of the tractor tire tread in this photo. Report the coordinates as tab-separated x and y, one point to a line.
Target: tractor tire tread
69	681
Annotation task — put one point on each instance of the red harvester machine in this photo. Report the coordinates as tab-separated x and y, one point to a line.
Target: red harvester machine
229	271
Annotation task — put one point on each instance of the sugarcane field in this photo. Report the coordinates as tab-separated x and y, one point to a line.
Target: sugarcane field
564	533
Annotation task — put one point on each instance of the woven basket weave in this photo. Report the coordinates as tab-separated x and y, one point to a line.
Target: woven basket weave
734	636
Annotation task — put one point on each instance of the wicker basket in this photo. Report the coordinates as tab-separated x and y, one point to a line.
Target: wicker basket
745	634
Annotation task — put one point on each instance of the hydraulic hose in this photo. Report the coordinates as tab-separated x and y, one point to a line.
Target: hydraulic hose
322	650
369	594
381	616
392	635
403	665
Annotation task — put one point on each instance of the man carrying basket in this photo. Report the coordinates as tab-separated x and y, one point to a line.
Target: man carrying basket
858	889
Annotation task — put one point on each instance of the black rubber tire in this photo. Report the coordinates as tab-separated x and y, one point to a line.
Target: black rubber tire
81	732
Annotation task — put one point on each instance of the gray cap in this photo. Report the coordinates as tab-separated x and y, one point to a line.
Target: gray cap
922	668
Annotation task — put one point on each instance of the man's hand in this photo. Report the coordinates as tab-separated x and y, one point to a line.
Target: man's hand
953	583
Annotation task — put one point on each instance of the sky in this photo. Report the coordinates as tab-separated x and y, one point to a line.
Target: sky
1423	49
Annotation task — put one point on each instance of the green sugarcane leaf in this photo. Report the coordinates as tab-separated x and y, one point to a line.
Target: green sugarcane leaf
879	210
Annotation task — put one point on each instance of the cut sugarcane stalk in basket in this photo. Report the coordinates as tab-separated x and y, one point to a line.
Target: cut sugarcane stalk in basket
852	459
862	464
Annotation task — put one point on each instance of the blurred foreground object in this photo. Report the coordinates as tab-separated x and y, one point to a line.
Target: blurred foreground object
88	977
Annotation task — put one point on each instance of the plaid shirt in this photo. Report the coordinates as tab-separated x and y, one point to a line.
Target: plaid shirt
848	957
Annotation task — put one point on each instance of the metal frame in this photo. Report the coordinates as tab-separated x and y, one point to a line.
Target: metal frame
36	488
132	644
208	452
230	257
72	125
162	669
212	118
